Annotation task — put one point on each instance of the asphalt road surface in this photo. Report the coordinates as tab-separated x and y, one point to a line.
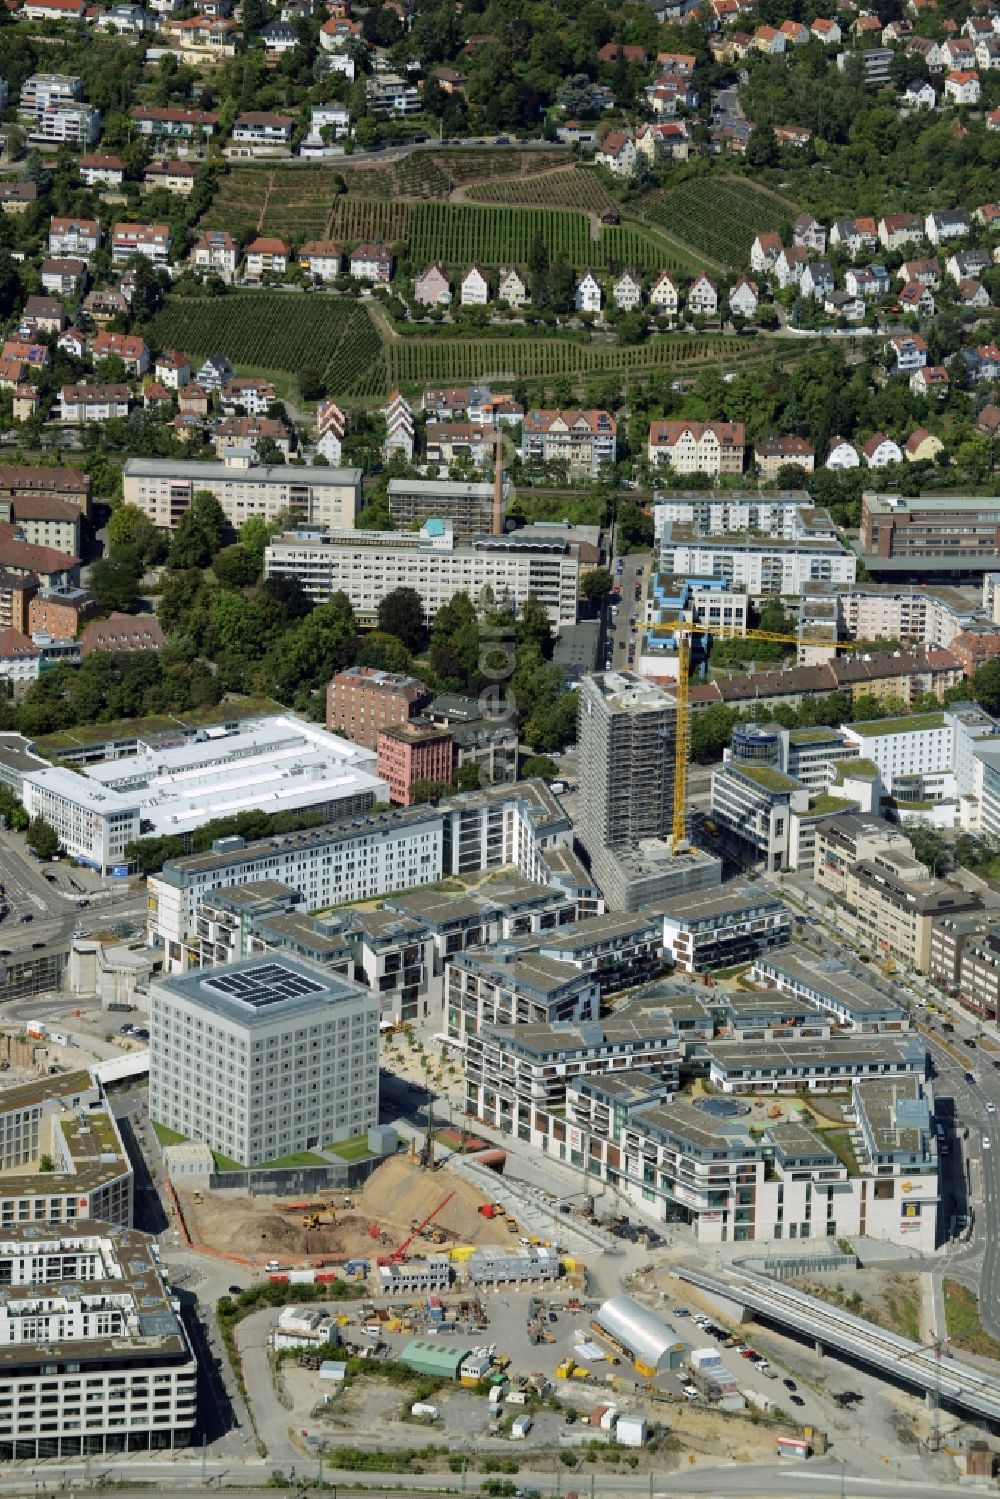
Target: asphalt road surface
184	1473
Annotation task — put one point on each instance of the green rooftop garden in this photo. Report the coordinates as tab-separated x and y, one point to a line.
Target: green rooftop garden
872	728
50	745
817	735
766	777
355	1149
167	1136
865	770
828	805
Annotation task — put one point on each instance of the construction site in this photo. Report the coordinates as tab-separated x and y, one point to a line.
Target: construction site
401	1204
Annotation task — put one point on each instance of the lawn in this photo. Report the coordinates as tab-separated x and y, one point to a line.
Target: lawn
167	1136
297	1158
961	1310
79	735
224	1163
355	1149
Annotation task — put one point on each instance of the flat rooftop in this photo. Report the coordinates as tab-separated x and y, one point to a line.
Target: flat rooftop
317	477
828	976
799	1141
256	992
708	1133
525	970
185	870
577	936
831	1051
130	1279
729	900
917	723
894	1128
633	1024
897	504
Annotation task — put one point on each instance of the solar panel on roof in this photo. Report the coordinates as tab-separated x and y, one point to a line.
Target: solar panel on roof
268	984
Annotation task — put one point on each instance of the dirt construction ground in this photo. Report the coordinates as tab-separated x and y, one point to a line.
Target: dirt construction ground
398	1193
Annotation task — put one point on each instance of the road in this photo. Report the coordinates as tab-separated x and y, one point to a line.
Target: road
621	634
183	1473
49	895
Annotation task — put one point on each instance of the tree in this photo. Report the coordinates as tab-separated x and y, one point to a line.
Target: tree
428	791
401	613
986	686
115	579
130	527
928	846
384	653
235	566
596	584
539	765
199	532
311	387
470	776
42	838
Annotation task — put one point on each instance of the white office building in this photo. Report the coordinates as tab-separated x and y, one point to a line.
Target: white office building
277	764
263	1058
94	1357
367	565
163	489
359	858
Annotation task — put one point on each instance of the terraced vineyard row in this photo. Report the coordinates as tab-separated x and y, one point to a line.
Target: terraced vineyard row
718	216
274	330
355	219
414	361
574	188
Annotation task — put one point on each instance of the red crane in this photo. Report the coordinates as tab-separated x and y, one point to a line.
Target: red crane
399	1255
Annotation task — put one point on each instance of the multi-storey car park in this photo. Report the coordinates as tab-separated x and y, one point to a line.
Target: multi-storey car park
94	1358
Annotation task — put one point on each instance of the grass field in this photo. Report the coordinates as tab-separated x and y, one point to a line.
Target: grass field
719	216
275	330
961	1312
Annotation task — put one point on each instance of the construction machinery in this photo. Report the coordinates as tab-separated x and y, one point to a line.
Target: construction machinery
399	1255
682	630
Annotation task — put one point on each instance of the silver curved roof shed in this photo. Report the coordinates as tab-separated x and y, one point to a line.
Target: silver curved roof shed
644	1335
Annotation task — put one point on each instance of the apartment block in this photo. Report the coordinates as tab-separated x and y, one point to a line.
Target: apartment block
825	1066
65	1118
95	1356
262	1058
835	983
726	512
513	986
719	928
626	737
361	857
163	489
367	565
154	241
890	900
468	506
514	1070
698	447
760	564
361	701
585	441
414	751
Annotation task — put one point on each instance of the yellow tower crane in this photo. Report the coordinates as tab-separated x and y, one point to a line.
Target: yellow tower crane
683	630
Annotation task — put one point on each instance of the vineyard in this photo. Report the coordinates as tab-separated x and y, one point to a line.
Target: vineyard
719	216
303	204
577	187
278	331
355	219
416	361
458	234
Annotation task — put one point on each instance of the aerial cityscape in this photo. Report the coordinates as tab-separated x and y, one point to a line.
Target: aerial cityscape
500	748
